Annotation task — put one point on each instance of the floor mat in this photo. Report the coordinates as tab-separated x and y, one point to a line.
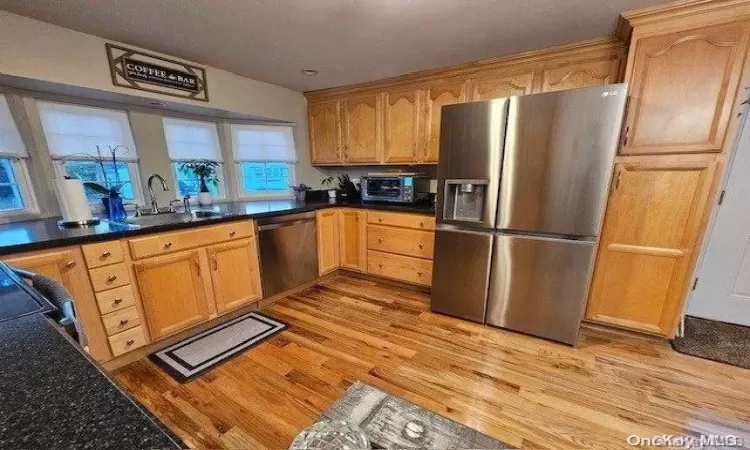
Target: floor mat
717	341
197	354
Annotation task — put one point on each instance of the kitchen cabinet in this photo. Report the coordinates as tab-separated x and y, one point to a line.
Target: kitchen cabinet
353	239
653	221
329	258
436	96
401	126
235	275
362	119
682	89
580	74
324	127
500	84
172	290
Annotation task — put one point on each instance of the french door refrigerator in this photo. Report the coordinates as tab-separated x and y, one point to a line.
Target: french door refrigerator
522	185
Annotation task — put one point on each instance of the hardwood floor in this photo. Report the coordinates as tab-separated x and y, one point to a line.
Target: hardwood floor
524	391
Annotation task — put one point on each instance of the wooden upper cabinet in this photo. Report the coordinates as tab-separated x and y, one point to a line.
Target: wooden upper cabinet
651	230
235	276
401	126
580	75
353	239
363	129
172	289
324	123
497	85
682	89
435	97
328	240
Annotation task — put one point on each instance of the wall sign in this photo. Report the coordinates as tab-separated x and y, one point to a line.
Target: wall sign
138	70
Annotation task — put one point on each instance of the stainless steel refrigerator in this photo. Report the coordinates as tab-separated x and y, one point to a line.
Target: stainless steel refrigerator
522	185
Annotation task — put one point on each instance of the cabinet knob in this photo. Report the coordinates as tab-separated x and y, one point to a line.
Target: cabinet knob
232	233
130	342
124	322
111	278
167	245
419	274
380	239
421	246
70	264
106	254
380	219
421	224
117	300
380	265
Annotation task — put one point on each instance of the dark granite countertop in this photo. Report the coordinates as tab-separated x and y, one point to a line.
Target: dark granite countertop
45	233
54	396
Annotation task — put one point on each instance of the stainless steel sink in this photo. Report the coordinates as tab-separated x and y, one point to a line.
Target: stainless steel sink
166	218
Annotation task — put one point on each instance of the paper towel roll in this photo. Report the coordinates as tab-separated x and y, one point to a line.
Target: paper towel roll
71	196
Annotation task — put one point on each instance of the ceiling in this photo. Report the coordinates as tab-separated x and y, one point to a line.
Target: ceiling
348	41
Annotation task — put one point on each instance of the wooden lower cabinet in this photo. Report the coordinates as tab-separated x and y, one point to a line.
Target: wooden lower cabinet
235	276
653	222
173	293
353	239
329	257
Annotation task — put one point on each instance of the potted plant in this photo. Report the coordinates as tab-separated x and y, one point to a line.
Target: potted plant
330	183
110	191
300	191
206	172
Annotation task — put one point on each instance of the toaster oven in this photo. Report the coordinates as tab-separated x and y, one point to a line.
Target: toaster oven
395	188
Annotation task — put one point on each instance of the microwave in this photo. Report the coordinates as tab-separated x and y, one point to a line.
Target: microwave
395	188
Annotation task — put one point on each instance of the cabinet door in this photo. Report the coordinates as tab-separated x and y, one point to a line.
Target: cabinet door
172	291
363	129
446	93
328	240
401	126
682	89
580	75
235	276
651	229
60	265
497	85
353	239
324	122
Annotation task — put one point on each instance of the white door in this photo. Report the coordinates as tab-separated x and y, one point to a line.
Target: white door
723	289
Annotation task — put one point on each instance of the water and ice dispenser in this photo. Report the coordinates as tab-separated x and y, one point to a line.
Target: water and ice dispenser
464	200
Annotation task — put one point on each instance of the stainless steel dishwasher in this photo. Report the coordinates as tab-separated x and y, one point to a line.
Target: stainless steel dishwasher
288	251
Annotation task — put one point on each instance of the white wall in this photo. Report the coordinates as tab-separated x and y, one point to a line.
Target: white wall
43	57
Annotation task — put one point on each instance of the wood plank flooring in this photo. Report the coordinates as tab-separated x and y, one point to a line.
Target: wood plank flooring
524	391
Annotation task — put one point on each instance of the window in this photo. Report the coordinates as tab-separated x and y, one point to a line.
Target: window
79	137
16	195
189	140
265	157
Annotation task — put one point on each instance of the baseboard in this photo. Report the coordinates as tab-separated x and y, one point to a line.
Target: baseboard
620	332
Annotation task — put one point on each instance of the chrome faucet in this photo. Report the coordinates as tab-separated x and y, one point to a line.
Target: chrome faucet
154	204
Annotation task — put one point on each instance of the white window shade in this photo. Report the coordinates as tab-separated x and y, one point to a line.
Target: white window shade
190	139
11	144
263	143
73	132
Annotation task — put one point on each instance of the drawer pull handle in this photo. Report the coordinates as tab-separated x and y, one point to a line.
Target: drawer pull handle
106	254
111	278
167	245
421	246
380	265
130	342
70	264
380	219
124	322
117	300
421	224
232	233
380	239
419	274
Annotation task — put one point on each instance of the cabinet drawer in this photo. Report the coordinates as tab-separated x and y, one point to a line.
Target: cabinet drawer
404	268
401	240
109	277
127	340
102	254
115	299
418	221
182	240
121	320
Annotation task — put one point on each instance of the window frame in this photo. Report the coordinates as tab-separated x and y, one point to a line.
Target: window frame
28	196
133	170
221	185
242	194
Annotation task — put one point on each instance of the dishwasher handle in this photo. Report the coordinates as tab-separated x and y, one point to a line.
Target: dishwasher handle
276	226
